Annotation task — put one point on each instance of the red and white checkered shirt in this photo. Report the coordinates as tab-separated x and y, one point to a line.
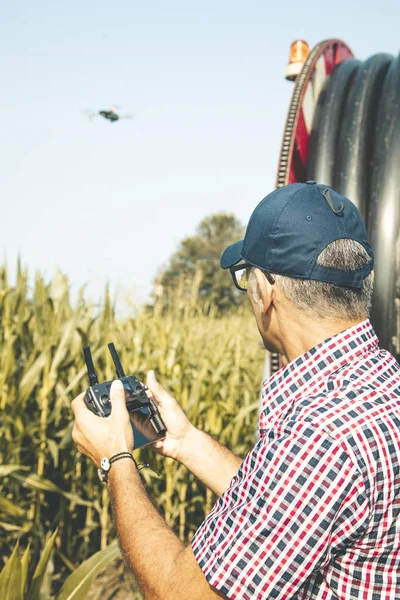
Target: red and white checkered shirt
314	510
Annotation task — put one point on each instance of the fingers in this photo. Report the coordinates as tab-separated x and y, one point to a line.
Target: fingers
161	395
78	405
75	434
117	395
77	439
83	451
79	409
82	416
95	436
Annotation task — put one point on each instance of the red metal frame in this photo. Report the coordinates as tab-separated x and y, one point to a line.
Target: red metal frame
321	61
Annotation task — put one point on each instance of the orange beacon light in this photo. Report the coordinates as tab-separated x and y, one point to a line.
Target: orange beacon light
298	54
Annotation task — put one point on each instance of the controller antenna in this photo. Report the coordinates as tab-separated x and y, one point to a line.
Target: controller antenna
117	362
90	366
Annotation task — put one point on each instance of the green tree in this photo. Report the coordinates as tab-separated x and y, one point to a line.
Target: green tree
196	262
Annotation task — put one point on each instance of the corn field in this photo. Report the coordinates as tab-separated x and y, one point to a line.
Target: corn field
210	362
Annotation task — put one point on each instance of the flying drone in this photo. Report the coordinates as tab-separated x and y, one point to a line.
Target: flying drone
110	114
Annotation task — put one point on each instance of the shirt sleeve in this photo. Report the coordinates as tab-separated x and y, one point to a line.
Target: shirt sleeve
296	500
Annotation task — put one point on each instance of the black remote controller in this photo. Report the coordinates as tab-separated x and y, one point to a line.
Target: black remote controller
146	421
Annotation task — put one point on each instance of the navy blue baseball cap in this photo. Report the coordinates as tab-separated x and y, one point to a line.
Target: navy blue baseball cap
290	228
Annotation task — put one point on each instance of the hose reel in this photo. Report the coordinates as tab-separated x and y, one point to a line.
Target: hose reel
343	130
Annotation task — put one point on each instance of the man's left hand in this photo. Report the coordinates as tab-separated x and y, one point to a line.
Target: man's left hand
99	437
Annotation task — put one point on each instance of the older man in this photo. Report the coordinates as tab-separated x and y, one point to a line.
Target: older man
313	511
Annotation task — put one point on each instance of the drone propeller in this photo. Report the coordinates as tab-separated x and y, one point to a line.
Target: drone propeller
90	113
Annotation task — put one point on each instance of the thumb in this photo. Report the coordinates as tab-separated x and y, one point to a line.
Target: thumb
117	396
160	395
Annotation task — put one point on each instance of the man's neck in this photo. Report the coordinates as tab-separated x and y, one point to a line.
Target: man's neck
297	338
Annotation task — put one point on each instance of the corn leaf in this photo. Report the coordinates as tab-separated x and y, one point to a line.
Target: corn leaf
24	570
14	586
8	469
45	485
77	585
38	576
9	527
8	508
11	565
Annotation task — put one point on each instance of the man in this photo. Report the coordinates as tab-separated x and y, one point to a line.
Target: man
312	512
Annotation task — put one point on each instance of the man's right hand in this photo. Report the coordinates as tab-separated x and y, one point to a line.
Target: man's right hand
179	429
210	462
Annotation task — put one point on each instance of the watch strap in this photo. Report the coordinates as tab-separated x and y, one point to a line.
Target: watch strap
105	464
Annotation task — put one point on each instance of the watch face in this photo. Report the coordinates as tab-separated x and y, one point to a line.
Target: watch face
105	464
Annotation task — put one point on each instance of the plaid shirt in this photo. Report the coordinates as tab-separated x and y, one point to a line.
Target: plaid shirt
314	510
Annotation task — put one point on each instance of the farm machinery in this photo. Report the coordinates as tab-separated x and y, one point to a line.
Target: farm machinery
343	130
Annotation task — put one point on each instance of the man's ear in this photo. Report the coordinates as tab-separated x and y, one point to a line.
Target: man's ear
265	290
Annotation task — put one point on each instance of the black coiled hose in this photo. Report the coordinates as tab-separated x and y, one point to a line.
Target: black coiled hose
354	147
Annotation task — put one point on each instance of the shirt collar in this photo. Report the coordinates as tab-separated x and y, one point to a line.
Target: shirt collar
291	382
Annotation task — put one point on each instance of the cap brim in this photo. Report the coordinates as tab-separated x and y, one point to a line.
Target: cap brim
231	255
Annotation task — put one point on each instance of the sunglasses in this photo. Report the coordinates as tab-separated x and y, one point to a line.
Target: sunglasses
240	275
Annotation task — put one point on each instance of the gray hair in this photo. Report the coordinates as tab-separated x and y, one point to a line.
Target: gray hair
328	301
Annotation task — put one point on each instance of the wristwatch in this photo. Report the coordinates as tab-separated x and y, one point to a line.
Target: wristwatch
105	464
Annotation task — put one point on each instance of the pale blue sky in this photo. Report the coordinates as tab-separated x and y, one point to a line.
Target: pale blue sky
205	81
